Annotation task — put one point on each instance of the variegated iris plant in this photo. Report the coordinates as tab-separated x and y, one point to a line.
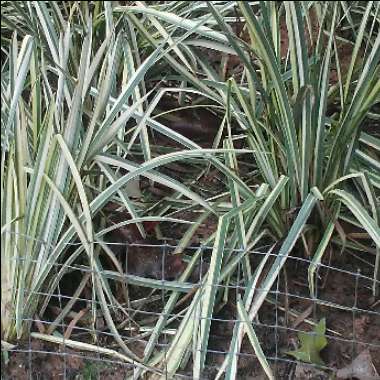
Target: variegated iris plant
79	90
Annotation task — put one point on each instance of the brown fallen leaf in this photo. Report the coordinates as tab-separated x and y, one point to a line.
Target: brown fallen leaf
304	315
360	368
74	322
39	324
304	372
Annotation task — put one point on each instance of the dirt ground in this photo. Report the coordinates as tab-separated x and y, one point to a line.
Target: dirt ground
350	332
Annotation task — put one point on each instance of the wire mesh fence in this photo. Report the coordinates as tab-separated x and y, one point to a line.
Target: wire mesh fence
125	313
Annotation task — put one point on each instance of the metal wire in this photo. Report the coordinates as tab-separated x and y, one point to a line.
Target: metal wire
147	308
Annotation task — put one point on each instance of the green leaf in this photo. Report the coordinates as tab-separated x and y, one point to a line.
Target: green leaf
253	339
311	344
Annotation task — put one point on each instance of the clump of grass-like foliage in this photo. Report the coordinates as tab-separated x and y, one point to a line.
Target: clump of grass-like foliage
80	85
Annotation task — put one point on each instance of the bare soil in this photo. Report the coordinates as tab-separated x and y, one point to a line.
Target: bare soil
350	331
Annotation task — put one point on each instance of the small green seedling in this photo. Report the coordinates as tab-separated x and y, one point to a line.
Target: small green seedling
311	344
